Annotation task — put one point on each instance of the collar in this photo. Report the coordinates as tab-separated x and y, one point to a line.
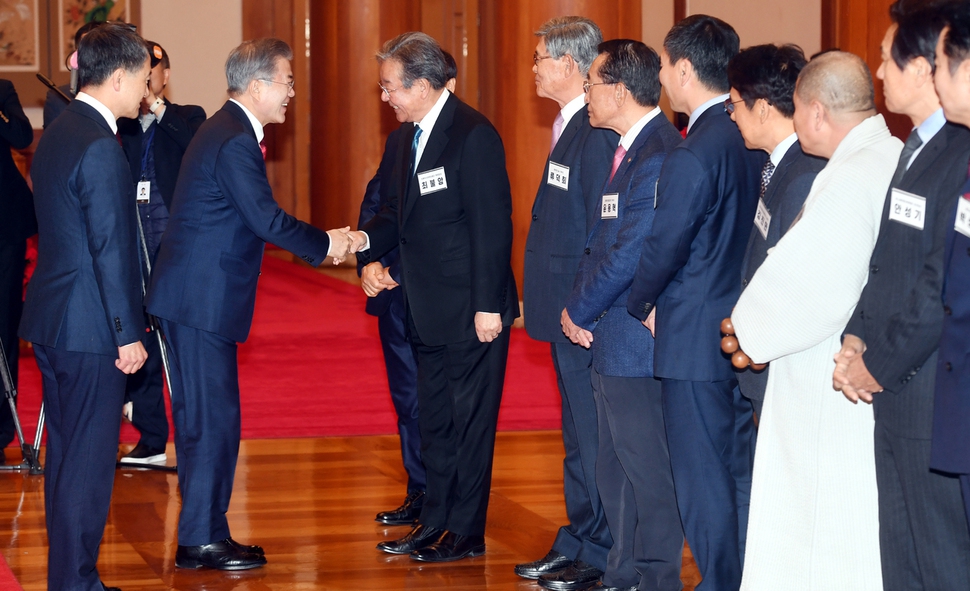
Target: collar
631	135
782	148
571	108
257	126
931	126
100	108
700	110
427	123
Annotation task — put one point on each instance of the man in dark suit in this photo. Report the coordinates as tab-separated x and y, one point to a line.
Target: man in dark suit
565	208
56	102
687	282
154	143
762	82
17	223
450	211
83	309
632	464
203	290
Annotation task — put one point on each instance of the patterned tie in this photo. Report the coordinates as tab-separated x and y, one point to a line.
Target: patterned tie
556	131
967	195
414	152
262	148
766	172
617	159
913	142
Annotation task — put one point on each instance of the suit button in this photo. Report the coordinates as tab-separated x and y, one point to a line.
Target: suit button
404	240
873	269
534	217
947	310
947	366
744	283
586	250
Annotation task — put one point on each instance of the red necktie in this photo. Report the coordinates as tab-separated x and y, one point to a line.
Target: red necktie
617	159
967	195
262	148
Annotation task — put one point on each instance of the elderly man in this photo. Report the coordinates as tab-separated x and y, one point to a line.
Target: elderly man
762	86
814	445
565	208
449	211
83	311
687	278
203	289
890	343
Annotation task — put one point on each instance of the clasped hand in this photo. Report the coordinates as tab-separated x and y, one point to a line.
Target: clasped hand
343	242
374	278
851	376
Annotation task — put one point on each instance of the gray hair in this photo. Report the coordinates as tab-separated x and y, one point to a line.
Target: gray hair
839	80
254	60
576	35
420	56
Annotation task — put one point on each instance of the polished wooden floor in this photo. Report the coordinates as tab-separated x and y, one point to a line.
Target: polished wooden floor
311	504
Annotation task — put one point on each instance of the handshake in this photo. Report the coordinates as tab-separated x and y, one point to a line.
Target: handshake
343	242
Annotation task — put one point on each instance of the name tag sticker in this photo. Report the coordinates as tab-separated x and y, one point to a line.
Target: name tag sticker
611	203
762	219
907	208
962	224
143	192
558	176
432	181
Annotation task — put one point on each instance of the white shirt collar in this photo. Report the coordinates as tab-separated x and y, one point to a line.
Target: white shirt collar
571	108
782	148
257	126
718	100
427	124
100	108
931	126
631	135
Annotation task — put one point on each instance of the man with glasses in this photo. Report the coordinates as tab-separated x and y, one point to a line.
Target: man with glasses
566	207
203	290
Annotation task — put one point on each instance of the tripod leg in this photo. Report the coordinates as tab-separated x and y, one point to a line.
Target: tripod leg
10	392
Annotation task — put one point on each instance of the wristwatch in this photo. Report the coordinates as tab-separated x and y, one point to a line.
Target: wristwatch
159	101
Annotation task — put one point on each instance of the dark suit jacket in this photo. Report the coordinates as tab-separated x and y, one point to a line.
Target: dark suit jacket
784	197
54	104
456	243
17	221
375	197
690	264
222	215
85	294
900	312
172	136
621	346
561	222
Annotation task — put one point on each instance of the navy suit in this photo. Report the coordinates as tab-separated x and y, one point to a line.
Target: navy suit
689	269
388	306
561	221
83	303
633	466
784	197
203	288
900	317
17	223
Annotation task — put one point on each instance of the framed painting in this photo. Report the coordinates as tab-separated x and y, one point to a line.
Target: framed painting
19	36
74	14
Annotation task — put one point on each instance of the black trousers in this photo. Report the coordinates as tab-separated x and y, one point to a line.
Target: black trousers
11	305
459	392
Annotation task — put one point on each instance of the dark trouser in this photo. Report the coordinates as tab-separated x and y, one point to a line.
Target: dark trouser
711	436
924	543
205	410
587	536
636	485
11	305
144	390
402	380
82	395
459	392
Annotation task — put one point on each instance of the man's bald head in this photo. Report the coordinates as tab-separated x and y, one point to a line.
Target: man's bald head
840	81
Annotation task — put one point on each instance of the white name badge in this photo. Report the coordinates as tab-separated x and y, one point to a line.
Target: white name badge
611	203
143	192
962	224
432	181
558	176
907	208
762	219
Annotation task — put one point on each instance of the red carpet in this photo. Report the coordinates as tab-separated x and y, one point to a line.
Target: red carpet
7	581
312	366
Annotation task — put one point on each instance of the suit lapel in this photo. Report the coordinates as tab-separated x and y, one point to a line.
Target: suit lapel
778	178
576	122
924	159
437	142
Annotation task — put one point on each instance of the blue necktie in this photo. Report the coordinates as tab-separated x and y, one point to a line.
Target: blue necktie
414	152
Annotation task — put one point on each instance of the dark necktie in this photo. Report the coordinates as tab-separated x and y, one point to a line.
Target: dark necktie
913	142
414	152
766	172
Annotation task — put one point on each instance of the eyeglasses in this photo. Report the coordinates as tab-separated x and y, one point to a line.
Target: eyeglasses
386	91
536	58
587	85
729	106
290	83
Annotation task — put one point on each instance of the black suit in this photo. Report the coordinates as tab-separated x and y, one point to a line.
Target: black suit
784	197
923	539
456	246
17	223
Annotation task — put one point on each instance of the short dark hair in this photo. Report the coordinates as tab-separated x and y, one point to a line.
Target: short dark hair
708	43
451	66
420	57
767	72
635	65
254	60
84	30
916	33
106	49
956	45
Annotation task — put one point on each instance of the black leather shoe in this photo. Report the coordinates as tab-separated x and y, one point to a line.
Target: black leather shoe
605	588
553	562
407	513
111	588
578	575
451	547
219	555
417	538
252	549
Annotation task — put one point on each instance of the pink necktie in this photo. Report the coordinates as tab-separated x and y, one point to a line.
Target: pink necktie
556	131
262	148
617	159
967	195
